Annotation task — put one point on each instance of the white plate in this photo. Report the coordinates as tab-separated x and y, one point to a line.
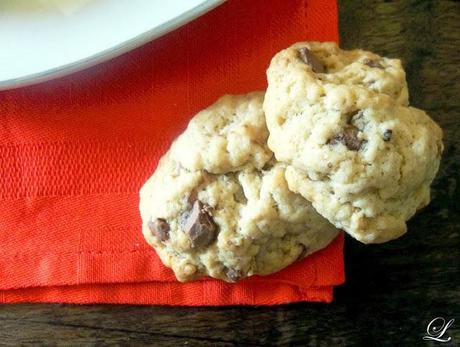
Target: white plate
43	39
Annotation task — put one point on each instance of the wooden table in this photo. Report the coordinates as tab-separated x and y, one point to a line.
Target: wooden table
392	291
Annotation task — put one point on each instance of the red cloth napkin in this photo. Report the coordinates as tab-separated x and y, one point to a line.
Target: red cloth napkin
75	151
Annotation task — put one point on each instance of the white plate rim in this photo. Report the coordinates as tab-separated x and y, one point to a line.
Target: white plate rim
112	52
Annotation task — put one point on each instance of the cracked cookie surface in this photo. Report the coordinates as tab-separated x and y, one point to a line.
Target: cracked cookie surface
227	136
242	220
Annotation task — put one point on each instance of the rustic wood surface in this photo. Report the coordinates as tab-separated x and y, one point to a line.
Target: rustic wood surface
392	290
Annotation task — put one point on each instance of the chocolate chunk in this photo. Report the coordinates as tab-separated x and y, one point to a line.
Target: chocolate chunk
309	58
349	138
200	226
372	63
387	134
160	228
233	275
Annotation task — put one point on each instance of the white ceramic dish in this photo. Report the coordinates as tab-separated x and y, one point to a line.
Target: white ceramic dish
44	39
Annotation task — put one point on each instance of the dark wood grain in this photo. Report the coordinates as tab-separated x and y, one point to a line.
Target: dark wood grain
392	290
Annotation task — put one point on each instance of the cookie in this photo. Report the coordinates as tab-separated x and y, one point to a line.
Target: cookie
226	136
356	151
241	220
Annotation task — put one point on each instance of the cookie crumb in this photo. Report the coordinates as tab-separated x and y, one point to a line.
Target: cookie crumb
189	269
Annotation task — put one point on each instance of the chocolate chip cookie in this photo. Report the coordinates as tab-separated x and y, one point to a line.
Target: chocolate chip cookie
340	121
219	205
226	137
